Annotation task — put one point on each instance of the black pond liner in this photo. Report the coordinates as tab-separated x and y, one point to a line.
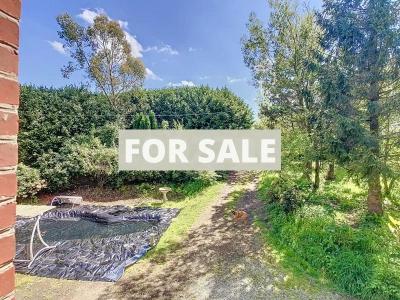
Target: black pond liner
94	243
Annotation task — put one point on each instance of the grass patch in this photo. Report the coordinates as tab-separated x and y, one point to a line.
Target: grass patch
190	209
361	258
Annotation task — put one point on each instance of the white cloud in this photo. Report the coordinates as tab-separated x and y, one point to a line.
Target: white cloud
182	83
89	15
191	49
151	75
136	47
59	47
234	80
162	49
123	24
205	77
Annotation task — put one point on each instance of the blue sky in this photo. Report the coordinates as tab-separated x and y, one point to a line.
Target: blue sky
181	42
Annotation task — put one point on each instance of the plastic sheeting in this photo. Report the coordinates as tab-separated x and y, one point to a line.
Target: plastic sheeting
98	251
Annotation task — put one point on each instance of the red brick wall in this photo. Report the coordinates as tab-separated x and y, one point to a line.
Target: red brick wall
10	11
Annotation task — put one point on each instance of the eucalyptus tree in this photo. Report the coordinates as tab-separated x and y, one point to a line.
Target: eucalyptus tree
284	58
102	51
363	36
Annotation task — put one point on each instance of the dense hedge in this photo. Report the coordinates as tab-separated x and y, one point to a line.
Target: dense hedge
200	108
49	118
69	135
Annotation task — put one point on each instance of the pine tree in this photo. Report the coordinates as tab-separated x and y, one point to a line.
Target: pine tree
363	38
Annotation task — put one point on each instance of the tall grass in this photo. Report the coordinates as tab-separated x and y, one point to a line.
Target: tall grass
361	259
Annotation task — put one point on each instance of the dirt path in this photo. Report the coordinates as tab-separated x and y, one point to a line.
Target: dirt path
219	260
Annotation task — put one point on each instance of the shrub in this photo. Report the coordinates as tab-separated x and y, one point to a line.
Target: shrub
97	161
29	181
59	168
164	124
107	134
84	159
208	177
289	194
198	182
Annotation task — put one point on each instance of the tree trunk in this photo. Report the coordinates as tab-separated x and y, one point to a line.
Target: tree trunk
317	175
374	199
330	175
374	194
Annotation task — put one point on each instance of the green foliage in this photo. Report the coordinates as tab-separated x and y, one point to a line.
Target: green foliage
394	226
142	121
71	135
285	58
294	149
107	134
330	82
197	108
164	124
97	161
153	120
80	161
29	181
289	51
201	181
177	125
361	259
145	121
49	118
362	89
287	193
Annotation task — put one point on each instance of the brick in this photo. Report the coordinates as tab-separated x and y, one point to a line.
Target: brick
8	185
8	60
7	249
8	123
8	154
9	94
9	91
7	215
7	281
11	8
9	32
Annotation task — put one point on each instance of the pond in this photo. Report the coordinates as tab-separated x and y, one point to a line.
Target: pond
55	230
93	243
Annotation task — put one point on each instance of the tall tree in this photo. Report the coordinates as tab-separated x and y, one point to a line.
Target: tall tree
284	58
364	35
103	52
